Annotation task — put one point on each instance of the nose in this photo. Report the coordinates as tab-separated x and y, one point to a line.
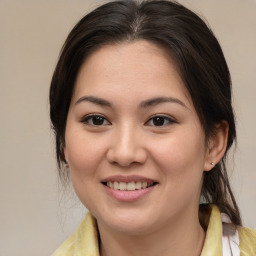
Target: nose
127	147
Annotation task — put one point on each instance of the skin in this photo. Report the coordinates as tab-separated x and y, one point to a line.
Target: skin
127	142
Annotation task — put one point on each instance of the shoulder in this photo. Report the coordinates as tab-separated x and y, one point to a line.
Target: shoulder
66	248
247	239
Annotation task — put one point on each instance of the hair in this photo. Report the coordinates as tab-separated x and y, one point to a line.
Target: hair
193	47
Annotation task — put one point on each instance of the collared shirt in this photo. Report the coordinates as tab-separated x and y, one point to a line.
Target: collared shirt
222	237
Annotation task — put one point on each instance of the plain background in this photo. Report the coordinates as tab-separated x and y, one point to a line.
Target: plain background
36	215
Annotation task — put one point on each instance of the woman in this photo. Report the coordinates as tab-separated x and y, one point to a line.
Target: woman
140	104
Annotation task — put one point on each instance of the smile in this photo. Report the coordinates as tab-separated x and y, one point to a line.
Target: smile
129	186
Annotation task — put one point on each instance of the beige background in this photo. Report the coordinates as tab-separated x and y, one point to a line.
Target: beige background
35	214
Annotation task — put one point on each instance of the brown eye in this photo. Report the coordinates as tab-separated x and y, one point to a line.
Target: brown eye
160	121
95	120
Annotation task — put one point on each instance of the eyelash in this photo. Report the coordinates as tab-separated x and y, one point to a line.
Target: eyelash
88	120
162	120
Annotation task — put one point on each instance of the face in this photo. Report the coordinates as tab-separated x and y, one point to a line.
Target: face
134	142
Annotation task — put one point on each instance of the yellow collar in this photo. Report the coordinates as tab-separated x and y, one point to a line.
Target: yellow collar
213	239
85	240
87	237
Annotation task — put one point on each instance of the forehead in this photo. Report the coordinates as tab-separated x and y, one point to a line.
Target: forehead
138	66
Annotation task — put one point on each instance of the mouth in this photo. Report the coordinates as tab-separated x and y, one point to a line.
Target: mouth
129	186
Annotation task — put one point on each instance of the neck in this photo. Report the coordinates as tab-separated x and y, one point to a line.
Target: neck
178	238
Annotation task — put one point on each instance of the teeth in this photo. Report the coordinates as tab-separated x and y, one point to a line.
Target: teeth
130	186
144	184
138	185
116	185
110	184
122	186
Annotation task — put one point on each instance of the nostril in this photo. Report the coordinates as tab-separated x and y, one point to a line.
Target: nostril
121	158
126	157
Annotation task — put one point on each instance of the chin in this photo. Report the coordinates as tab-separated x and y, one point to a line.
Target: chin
129	222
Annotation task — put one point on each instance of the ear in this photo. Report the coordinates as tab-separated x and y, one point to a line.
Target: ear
217	145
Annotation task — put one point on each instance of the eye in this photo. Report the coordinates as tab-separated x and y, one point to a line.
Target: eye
95	120
160	120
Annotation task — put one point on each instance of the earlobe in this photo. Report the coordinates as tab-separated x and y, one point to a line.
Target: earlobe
217	145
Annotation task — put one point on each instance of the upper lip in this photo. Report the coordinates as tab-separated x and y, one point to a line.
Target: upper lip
130	178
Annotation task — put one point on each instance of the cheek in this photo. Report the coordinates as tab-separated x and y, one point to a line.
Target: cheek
84	159
84	153
181	159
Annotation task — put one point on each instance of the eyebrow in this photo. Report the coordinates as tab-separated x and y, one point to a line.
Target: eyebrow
144	104
159	100
95	100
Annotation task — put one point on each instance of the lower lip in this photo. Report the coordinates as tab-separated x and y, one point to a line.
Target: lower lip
129	196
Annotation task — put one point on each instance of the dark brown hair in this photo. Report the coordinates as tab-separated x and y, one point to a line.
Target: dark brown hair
193	47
